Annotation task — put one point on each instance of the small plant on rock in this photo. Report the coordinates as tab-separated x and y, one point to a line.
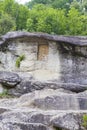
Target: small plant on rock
5	94
19	59
85	121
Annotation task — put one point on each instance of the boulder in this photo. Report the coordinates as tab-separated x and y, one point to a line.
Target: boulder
9	79
26	86
68	121
21	88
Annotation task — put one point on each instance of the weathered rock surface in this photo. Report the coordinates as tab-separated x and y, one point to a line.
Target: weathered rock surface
56	84
44	110
9	79
56	100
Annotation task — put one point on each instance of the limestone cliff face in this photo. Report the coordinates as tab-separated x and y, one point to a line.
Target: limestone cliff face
41	57
47	57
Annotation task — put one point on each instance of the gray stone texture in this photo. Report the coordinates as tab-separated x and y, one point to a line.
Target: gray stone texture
23	114
55	86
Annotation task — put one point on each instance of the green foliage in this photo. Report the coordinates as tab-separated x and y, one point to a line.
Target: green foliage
6	24
62	17
84	24
57	21
44	19
19	13
74	22
22	17
77	5
5	94
85	121
32	3
61	4
19	59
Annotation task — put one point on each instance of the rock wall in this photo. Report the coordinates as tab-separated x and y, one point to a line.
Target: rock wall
40	69
64	65
73	62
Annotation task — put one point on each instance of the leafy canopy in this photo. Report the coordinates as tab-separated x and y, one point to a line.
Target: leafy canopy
63	17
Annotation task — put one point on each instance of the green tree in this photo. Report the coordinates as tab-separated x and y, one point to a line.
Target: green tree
84	4
32	3
84	24
67	17
77	5
19	13
74	23
61	4
44	19
8	6
22	17
53	3
1	5
6	24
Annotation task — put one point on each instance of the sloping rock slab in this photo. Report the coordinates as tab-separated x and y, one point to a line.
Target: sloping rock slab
55	100
49	99
32	116
26	86
74	40
58	120
55	85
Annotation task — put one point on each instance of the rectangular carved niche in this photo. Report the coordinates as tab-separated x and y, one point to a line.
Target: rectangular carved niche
42	51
